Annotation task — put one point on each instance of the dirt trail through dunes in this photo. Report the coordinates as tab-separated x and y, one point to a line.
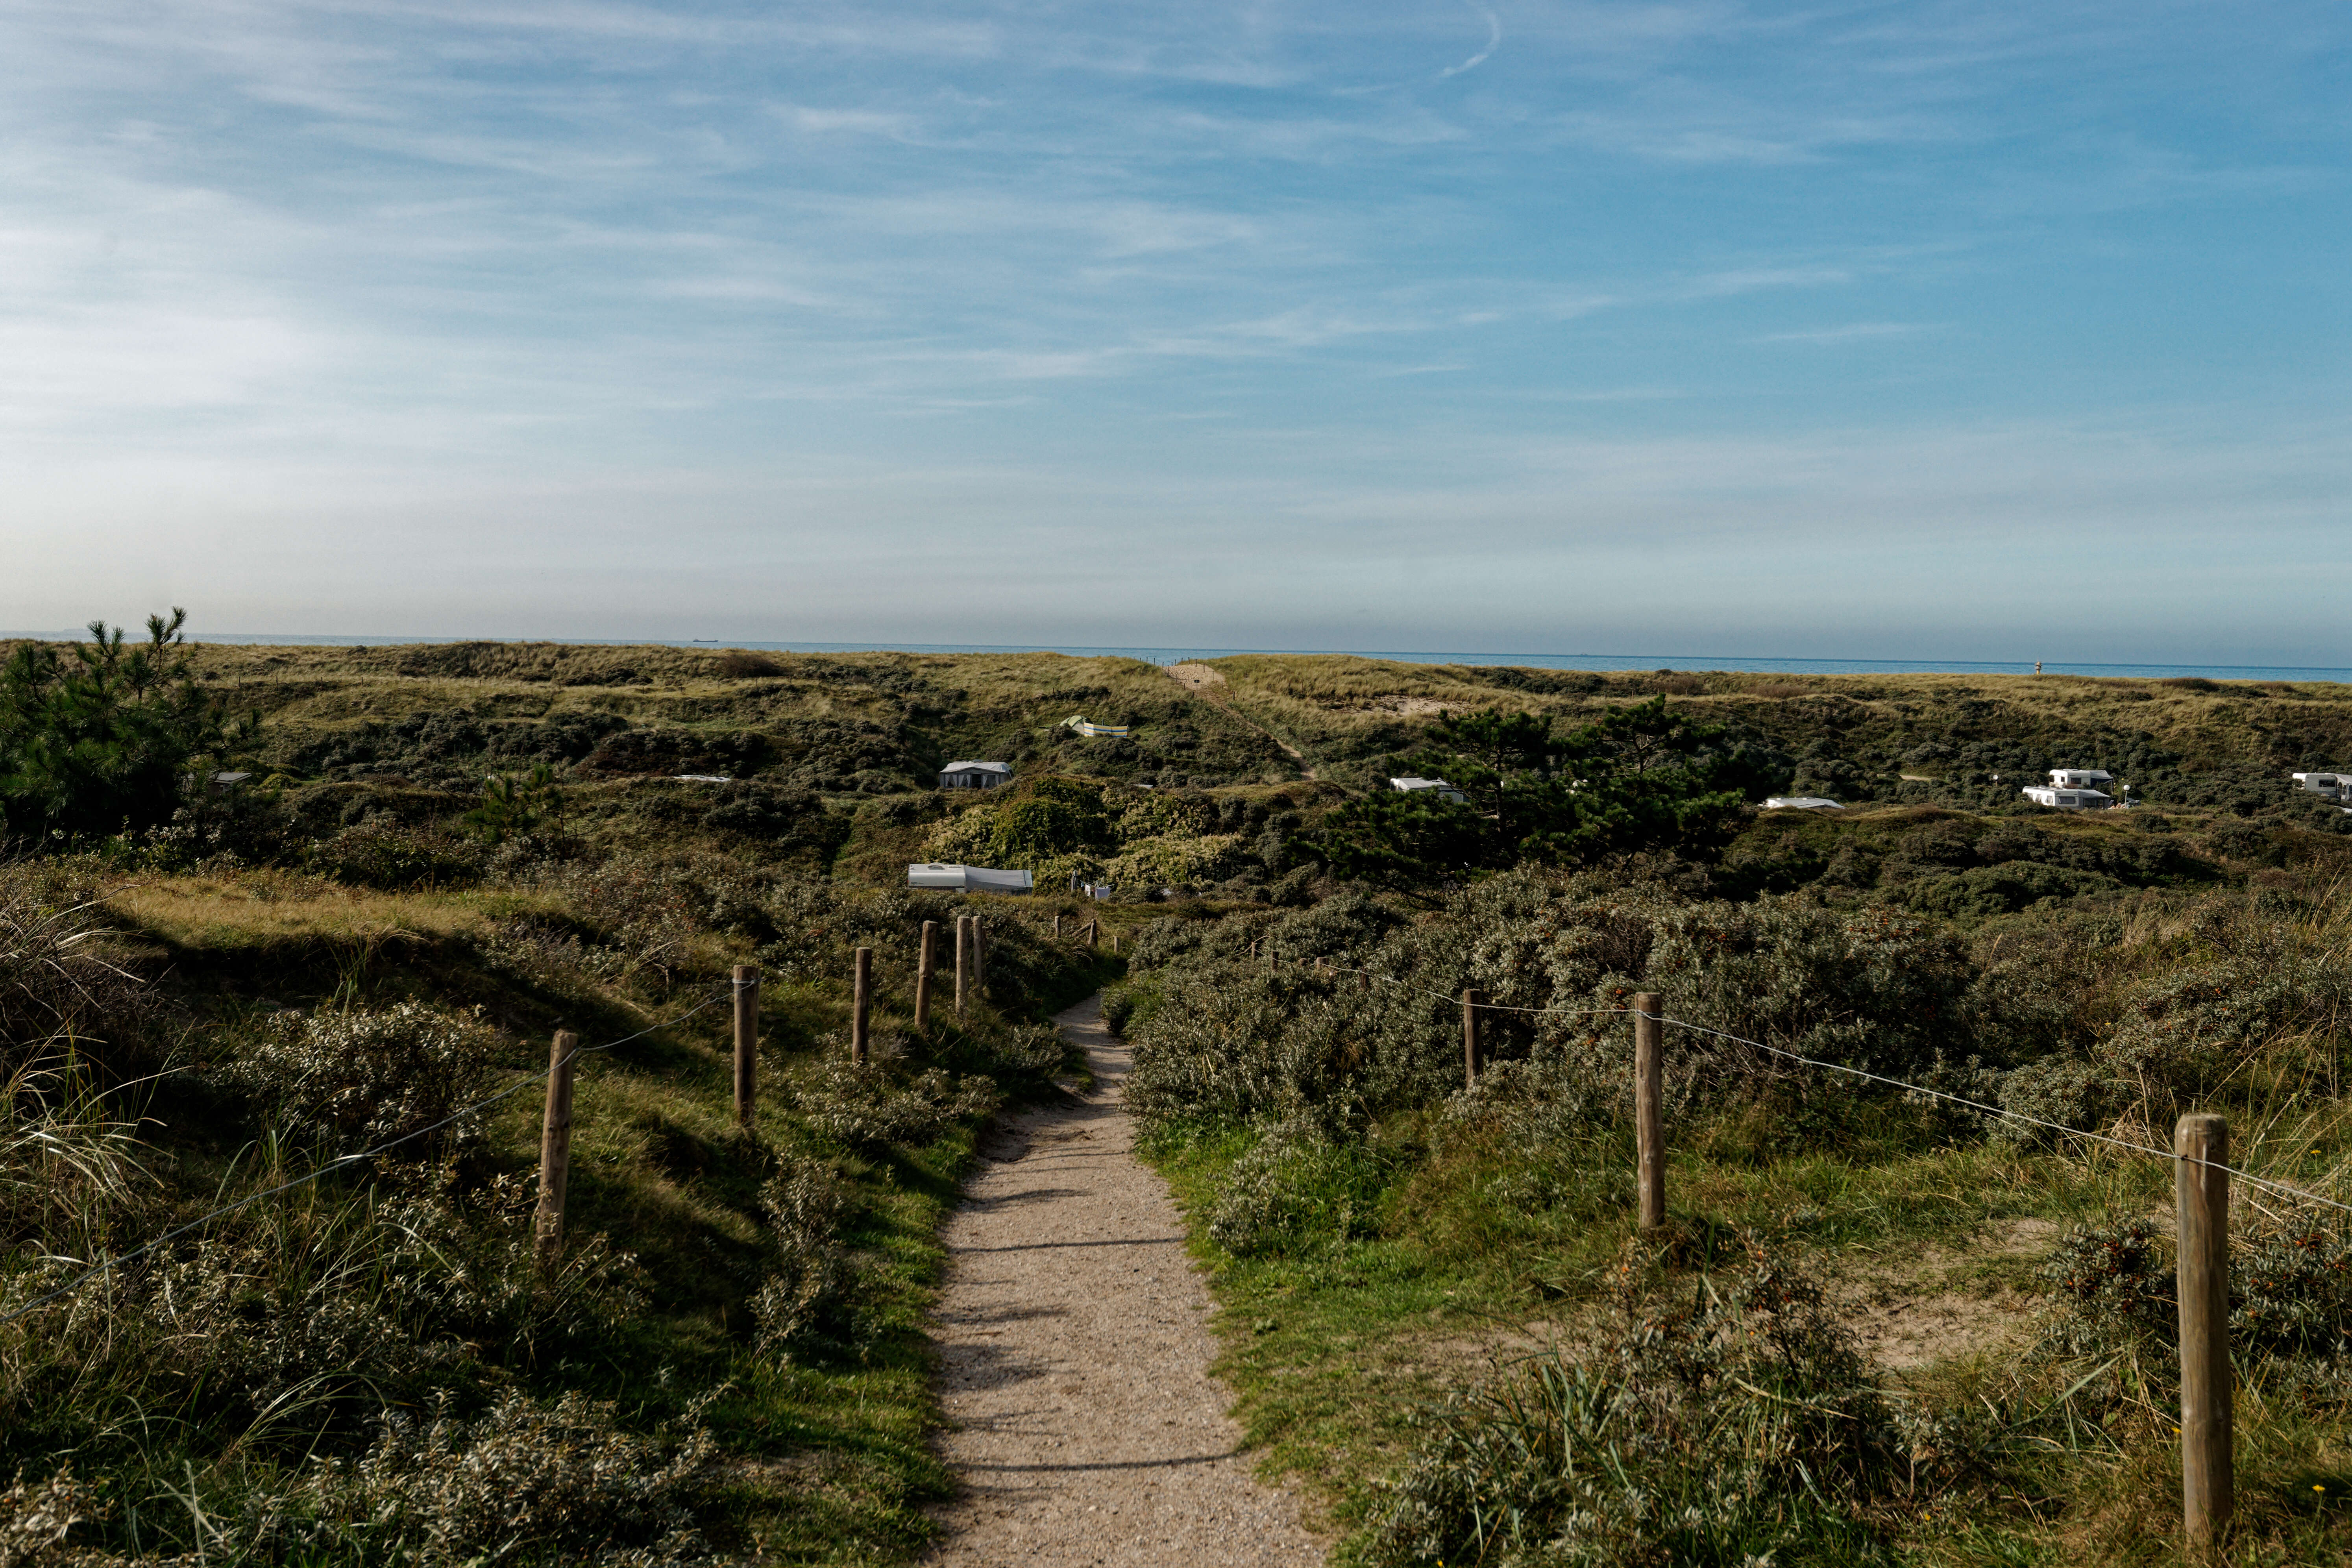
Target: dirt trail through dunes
1209	684
1073	1351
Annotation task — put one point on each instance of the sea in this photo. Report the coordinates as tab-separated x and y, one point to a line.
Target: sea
1675	663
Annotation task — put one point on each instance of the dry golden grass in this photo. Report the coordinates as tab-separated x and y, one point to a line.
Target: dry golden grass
261	908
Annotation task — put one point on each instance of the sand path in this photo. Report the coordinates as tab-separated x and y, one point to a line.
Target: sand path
1074	1349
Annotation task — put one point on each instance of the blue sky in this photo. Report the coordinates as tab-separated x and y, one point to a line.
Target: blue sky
1923	331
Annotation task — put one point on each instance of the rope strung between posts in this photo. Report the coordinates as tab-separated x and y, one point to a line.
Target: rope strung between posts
339	1162
1976	1105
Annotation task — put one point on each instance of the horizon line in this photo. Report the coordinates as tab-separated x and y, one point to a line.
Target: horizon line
1667	663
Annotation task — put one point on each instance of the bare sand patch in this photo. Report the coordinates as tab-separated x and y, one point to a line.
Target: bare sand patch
1941	1304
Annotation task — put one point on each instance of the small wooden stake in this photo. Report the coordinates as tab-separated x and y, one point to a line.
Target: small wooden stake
861	999
1469	1038
1058	928
963	965
747	1039
554	1151
2201	1189
923	978
1649	1133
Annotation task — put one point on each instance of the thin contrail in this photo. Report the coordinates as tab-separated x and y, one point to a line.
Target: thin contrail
1494	37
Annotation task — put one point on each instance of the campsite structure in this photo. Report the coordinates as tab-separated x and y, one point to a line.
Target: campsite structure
2336	787
943	878
2073	789
1415	785
975	776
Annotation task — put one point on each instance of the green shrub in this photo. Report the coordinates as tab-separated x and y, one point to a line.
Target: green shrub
1026	1050
865	1108
804	1205
35	1519
1731	1424
104	739
349	1080
2115	1284
1238	1039
1296	1187
2291	1294
525	1482
382	852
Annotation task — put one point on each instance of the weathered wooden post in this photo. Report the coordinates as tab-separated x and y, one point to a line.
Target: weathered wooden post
923	977
2201	1189
963	950
1058	928
861	998
1469	1038
747	1040
554	1152
1649	1133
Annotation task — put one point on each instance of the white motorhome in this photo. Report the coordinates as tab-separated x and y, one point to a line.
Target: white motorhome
2336	787
969	878
1415	785
2059	799
2080	778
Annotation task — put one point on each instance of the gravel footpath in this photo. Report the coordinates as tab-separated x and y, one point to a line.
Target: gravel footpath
1074	1350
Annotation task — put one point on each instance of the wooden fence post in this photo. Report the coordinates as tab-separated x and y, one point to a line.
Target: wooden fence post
554	1151
1469	1038
747	1040
1649	1131
1058	928
2201	1189
923	978
963	945
861	998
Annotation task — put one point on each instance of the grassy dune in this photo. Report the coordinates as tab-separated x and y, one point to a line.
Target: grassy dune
241	944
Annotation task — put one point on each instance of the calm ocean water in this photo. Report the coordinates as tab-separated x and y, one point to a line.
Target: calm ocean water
1743	664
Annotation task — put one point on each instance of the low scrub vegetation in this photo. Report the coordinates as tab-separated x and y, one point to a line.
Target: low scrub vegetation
1702	1394
212	985
267	1185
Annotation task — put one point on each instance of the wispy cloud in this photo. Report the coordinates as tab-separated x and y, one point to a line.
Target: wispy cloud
1849	332
1493	42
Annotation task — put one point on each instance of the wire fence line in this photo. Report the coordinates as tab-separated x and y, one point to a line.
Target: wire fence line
1978	1106
342	1161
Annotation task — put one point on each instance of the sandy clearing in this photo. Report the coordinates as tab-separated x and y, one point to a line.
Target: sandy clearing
1912	1312
1196	676
1074	1350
